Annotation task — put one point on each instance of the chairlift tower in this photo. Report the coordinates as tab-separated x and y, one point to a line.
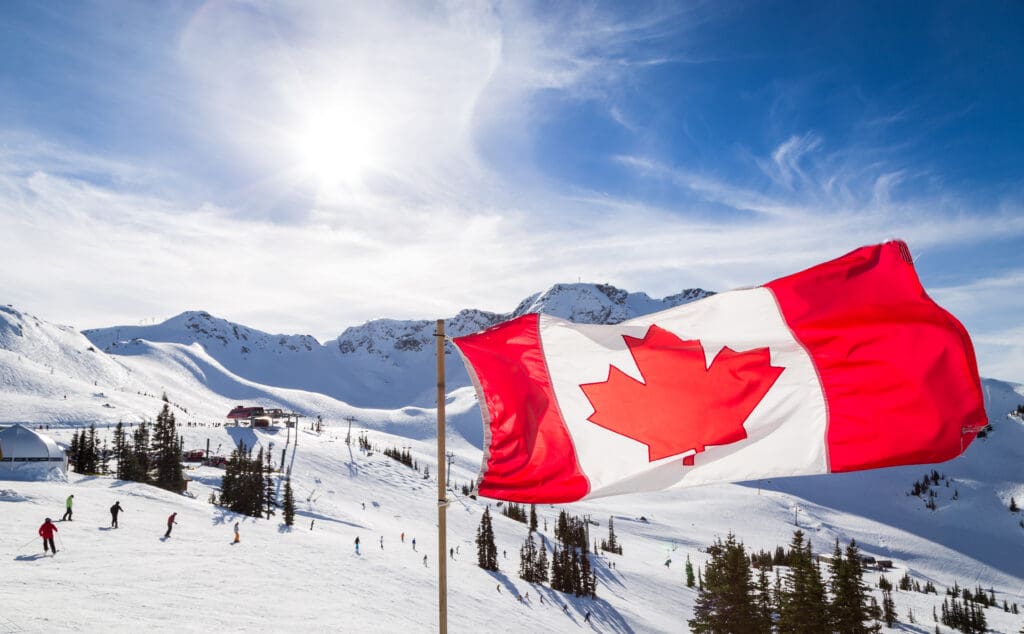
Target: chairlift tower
348	436
451	459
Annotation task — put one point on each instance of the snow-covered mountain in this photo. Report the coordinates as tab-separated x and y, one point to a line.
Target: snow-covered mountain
382	363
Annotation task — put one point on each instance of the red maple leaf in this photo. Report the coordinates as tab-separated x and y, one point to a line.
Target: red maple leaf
681	405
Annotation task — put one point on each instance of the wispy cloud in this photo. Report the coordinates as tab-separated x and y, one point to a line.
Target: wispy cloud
424	108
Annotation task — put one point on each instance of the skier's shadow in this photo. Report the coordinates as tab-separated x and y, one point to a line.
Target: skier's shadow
164	538
106	528
32	557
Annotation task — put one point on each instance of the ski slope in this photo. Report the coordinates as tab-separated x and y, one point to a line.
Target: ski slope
310	579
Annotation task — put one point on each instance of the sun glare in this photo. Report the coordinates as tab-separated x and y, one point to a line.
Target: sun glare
336	148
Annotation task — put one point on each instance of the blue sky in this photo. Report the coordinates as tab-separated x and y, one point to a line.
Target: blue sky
302	167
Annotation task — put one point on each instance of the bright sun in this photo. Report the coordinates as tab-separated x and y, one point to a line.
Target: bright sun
336	148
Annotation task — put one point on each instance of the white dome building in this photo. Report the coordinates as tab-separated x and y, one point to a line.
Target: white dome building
28	455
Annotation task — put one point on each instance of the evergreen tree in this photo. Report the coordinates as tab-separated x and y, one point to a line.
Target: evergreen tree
540	567
104	462
528	560
167	451
91	450
725	603
780	557
75	450
802	605
557	575
121	452
588	578
486	550
573	579
289	503
229	481
763	602
888	608
849	610
254	485
140	453
1013	505
533	517
269	492
690	582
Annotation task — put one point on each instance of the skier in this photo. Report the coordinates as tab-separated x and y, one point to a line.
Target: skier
238	537
67	513
382	542
170	523
424	561
586	619
403	537
451	553
114	510
357	545
414	543
46	532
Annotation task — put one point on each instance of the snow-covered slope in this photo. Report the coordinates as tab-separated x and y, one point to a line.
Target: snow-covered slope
309	579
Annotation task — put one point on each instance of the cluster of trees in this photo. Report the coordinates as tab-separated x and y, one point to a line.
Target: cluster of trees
401	455
569	569
166	448
87	454
514	511
571	530
288	505
966	617
248	484
533	561
927	486
151	455
486	549
148	455
908	583
517	512
927	482
731	600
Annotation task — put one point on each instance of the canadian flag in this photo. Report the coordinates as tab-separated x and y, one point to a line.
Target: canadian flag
845	366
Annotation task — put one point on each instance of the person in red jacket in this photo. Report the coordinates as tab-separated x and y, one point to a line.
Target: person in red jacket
170	523
46	532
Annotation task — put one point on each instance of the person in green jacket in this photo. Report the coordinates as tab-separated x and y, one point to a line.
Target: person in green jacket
67	513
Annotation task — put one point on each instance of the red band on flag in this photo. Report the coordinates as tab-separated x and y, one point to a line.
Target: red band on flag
528	454
891	362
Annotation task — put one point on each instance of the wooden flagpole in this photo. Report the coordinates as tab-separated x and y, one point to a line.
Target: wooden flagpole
442	496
